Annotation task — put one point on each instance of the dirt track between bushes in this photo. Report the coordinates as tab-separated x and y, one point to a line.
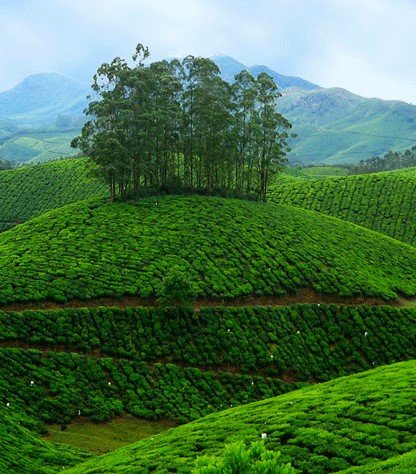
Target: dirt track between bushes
304	296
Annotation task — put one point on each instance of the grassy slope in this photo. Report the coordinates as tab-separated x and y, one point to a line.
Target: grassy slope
228	248
356	420
23	451
404	464
162	367
384	202
32	190
102	438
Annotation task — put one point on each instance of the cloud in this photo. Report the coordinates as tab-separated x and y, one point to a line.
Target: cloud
366	46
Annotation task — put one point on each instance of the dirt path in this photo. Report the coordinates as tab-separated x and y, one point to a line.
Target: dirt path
306	296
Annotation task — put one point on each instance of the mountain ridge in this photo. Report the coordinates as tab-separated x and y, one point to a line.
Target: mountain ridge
333	125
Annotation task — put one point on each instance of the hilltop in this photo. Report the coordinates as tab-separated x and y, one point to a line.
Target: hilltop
230	67
353	421
384	202
228	248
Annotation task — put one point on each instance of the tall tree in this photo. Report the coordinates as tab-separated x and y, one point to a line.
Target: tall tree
175	126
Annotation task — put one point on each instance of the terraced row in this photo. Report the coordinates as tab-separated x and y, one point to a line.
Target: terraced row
384	202
30	191
103	362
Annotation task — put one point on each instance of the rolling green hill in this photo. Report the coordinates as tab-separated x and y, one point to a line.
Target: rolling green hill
229	248
334	126
32	190
358	420
384	202
38	146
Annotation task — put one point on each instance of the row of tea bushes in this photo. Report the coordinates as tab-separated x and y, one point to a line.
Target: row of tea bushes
383	202
57	387
227	247
30	191
302	342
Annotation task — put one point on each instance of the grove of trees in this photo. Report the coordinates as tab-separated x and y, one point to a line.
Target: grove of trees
389	161
176	126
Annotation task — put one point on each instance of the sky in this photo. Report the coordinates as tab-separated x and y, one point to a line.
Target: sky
365	46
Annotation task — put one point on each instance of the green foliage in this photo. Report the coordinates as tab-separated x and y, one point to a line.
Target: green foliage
145	362
384	202
177	290
352	421
33	190
232	248
404	464
179	123
390	161
23	451
237	459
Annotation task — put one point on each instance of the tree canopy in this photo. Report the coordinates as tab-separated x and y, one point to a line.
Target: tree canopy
176	126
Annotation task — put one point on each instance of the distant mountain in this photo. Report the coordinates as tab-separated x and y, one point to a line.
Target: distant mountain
41	98
40	115
336	126
230	67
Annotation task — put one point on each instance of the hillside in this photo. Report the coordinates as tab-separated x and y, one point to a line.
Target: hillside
29	191
229	248
151	362
40	98
354	421
40	116
37	147
384	202
22	450
333	125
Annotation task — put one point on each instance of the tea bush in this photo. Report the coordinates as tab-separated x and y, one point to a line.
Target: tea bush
228	248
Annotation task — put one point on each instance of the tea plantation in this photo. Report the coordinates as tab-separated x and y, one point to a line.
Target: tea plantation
353	421
104	362
22	450
384	202
32	190
229	248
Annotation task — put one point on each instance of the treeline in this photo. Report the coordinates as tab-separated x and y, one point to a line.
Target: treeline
390	161
176	126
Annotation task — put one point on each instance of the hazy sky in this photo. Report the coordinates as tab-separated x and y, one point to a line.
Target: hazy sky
366	46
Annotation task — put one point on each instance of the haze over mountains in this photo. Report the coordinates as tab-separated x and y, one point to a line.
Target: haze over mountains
39	116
